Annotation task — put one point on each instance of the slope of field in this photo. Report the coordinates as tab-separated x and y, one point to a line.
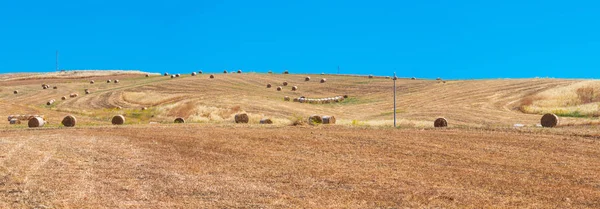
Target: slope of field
481	160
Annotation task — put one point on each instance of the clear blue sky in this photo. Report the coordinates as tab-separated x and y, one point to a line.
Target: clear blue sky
448	39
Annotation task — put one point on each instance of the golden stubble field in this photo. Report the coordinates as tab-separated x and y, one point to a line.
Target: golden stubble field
362	162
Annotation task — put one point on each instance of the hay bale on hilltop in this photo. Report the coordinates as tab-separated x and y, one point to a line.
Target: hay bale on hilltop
285	83
212	76
370	76
549	120
307	78
440	122
279	88
92	82
63	98
413	78
268	85
179	120
36	122
147	75
172	76
166	74
200	72
328	120
294	88
15	92
266	121
50	102
193	73
225	71
286	72
239	71
177	75
69	121
241	118
315	119
118	120
323	80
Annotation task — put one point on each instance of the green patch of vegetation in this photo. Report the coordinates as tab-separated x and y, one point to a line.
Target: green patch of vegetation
574	114
392	112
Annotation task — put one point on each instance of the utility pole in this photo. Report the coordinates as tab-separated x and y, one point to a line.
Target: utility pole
395	78
56	60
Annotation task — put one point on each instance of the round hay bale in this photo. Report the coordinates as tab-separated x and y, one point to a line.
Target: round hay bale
279	88
179	120
14	121
50	102
10	117
172	76
73	95
301	100
15	92
294	88
413	78
147	75
439	79
166	74
296	99
92	82
315	119
193	73
108	81
55	87
239	71
200	72
549	120
64	98
144	108
286	72
44	87
266	121
118	120
212	76
118	107
370	76
241	118
323	80
328	120
345	96
285	83
87	91
307	78
286	98
177	75
69	121
440	122
268	85
116	81
225	71
36	122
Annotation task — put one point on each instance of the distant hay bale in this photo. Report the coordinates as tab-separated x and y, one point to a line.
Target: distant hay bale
172	76
549	120
315	119
50	102
294	88
296	99
147	75
323	80
225	71
307	78
370	76
268	85
440	122
69	121
302	100
118	120
179	120
73	95
166	74
212	76
36	122
285	83
55	87
15	92
413	78
177	75
279	88
10	117
200	72
92	82
116	81
241	118
328	120
345	96
14	121
193	73
64	98
118	107
286	72
44	87
266	121
439	79
87	91
286	98
239	71
108	81
144	108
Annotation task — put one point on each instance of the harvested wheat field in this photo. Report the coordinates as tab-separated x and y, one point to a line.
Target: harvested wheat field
482	159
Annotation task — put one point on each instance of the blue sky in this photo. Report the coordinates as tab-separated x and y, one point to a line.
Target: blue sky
428	39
